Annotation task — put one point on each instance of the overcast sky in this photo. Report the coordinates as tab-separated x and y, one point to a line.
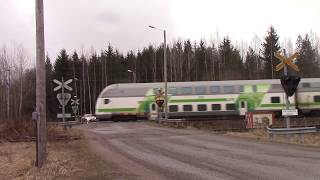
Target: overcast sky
73	24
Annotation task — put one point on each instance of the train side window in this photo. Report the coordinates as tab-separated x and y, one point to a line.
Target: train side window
173	108
186	90
173	91
275	99
106	101
200	90
316	98
241	88
254	88
315	85
187	107
202	107
305	85
215	89
216	107
230	106
153	107
276	86
228	89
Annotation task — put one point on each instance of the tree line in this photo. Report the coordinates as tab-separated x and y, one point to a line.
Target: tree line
187	61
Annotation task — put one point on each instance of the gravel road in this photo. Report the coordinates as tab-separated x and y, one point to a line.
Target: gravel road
140	150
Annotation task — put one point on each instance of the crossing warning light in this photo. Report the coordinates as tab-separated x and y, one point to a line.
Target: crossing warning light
290	84
159	101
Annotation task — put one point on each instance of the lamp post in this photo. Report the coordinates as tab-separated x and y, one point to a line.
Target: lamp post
164	72
134	75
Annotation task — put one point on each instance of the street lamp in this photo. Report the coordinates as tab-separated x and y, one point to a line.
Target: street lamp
164	72
134	75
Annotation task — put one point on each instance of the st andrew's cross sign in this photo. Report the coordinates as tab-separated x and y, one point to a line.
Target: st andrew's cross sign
62	84
286	61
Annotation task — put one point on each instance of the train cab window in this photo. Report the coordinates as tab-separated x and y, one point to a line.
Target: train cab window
186	90
106	101
241	88
216	107
173	90
275	99
230	106
202	107
242	104
228	89
173	108
153	107
187	107
316	98
305	85
200	90
214	89
254	88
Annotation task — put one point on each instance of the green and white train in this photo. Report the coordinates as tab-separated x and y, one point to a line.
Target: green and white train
206	98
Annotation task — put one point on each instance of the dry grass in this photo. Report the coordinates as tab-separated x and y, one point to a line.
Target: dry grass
15	131
67	159
261	134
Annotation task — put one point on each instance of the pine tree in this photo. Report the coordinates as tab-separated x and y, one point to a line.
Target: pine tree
200	56
62	66
51	100
307	61
231	61
187	55
131	65
213	61
29	91
252	65
270	46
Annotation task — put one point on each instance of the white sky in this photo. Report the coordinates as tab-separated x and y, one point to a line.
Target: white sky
77	24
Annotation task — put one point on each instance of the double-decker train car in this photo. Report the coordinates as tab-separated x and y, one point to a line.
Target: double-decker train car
206	98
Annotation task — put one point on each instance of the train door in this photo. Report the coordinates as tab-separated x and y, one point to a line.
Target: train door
153	111
243	107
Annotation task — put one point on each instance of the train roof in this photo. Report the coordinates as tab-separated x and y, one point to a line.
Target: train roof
206	83
137	88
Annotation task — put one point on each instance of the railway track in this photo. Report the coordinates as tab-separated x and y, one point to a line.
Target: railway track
235	123
210	123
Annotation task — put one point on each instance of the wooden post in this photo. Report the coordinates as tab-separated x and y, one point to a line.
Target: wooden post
40	86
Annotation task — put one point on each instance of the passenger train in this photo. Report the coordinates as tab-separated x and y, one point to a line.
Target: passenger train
206	98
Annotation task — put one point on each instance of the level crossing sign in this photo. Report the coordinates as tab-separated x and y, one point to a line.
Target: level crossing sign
74	105
63	98
74	101
159	97
286	61
62	84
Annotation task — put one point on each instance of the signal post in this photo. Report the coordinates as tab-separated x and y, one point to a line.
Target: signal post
159	101
288	82
63	97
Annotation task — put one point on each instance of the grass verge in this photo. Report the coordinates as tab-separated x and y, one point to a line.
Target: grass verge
66	159
261	134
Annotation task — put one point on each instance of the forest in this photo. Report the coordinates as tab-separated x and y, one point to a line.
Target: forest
215	60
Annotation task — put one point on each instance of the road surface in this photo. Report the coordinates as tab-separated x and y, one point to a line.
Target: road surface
140	150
